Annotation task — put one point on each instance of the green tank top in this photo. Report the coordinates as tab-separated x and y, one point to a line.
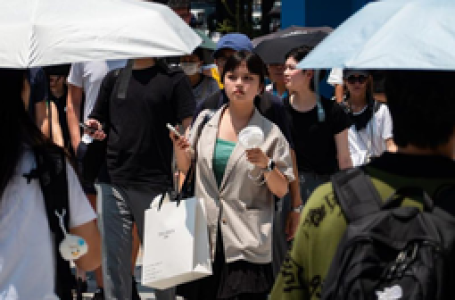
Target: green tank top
223	150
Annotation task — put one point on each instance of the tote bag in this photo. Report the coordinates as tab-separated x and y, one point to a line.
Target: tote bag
176	245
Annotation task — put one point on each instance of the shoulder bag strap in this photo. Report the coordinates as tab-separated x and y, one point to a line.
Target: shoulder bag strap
187	189
356	194
51	166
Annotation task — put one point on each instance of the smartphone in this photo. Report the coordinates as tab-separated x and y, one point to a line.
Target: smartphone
90	129
172	128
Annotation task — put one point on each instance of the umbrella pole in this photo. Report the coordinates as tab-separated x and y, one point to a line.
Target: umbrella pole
321	112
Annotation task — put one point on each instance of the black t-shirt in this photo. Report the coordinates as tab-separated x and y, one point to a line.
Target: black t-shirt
268	105
139	150
314	141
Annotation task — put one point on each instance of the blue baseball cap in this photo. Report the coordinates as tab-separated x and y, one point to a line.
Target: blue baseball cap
234	41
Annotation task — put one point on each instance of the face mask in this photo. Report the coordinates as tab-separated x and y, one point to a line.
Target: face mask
190	68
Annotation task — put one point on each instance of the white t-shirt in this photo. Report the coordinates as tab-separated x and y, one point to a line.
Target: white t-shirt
27	266
335	76
371	140
89	76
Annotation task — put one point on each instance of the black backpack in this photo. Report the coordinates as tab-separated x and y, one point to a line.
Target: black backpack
51	172
389	252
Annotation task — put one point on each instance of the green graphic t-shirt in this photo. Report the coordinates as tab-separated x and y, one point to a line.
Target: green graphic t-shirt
322	223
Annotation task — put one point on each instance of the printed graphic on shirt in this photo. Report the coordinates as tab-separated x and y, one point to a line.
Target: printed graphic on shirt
331	202
316	286
292	274
316	216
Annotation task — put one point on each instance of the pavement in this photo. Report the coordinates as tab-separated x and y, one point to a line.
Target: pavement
146	293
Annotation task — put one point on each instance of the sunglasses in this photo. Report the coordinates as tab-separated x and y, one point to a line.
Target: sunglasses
360	79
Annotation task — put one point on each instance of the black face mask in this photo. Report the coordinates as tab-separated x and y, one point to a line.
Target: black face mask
361	120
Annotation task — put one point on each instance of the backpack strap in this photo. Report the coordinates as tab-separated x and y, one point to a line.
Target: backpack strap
125	79
51	167
356	194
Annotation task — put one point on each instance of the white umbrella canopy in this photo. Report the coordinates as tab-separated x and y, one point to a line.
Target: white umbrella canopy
391	34
47	32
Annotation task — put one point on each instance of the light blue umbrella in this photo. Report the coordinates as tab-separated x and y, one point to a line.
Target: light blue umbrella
391	34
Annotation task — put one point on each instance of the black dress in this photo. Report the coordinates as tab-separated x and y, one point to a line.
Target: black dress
239	280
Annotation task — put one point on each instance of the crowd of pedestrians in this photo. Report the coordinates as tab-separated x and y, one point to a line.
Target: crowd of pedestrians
111	117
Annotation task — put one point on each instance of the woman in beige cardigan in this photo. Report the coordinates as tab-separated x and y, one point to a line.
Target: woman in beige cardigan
239	201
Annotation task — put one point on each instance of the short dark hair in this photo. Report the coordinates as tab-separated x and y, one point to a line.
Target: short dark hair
300	53
199	52
422	106
253	62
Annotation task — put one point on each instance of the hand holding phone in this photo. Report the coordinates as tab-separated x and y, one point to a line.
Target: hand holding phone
172	128
93	128
88	128
180	141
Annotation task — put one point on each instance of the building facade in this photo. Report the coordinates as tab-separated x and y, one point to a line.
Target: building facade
314	13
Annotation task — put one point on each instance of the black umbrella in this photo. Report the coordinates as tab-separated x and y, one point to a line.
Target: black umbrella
273	51
290	31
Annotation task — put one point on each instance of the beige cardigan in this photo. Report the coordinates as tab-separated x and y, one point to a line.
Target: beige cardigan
243	208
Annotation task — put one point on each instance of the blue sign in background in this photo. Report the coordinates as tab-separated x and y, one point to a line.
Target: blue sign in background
313	13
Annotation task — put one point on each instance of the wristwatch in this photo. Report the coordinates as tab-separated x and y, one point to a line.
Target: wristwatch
298	209
270	165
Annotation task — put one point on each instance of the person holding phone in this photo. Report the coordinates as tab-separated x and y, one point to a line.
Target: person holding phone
84	81
270	106
139	156
239	201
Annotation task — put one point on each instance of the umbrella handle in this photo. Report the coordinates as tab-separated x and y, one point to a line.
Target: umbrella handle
321	112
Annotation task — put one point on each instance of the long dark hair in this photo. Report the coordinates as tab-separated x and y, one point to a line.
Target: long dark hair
16	127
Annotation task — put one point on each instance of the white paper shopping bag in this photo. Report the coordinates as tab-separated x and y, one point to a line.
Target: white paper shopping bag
176	246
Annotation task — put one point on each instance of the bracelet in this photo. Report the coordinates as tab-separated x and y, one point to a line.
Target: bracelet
298	209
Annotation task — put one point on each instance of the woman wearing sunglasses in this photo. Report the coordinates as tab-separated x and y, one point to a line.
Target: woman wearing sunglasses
371	132
319	127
